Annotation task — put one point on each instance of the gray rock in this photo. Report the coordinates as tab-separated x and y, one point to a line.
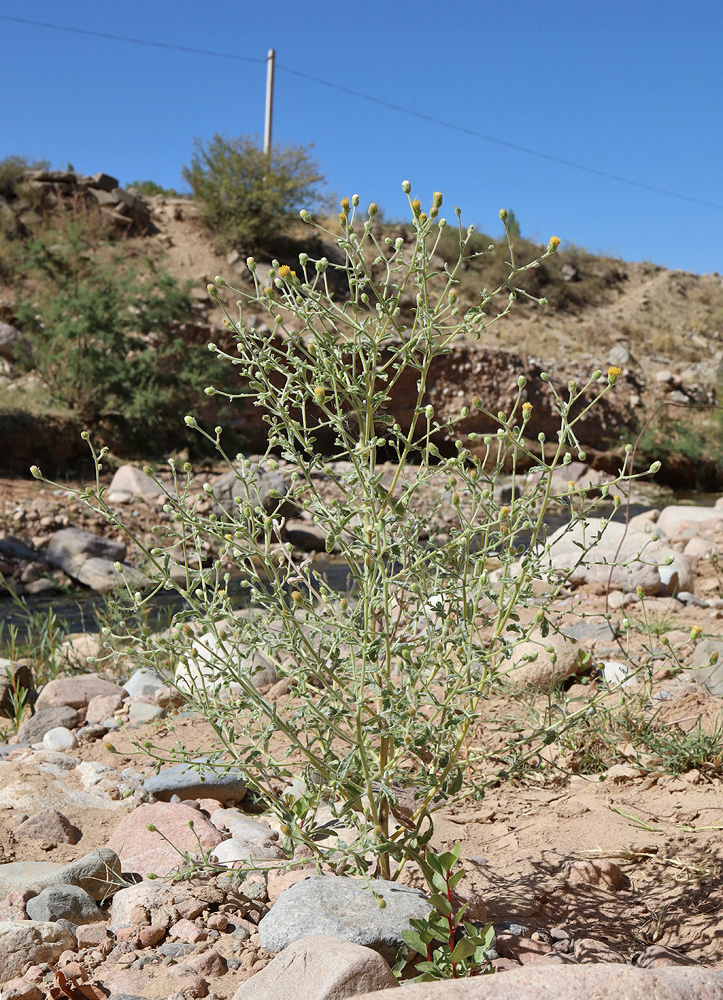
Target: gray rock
12	342
319	968
548	668
143	683
34	729
710	675
13	548
307	537
98	873
343	908
131	479
27	942
71	546
591	632
267	488
197	780
76	691
570	982
619	355
64	902
141	712
243	827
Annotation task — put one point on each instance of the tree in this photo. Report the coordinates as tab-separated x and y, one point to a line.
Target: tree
245	193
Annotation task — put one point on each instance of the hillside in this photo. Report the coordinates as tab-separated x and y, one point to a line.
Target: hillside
663	328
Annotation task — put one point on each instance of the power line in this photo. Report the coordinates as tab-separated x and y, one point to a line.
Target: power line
641	185
128	38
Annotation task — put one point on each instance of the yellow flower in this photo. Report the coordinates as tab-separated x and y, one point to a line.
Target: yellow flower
571	485
286	272
614	374
554	243
526	409
695	632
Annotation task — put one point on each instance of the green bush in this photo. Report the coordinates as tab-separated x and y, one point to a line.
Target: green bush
245	193
150	188
12	169
106	337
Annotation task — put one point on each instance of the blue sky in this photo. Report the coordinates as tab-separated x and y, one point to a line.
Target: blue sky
626	88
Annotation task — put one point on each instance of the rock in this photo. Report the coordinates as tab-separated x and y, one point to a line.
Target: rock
680	519
143	851
307	537
268	488
98	873
343	908
319	968
141	712
197	779
602	874
76	692
591	950
243	827
131	479
71	547
710	675
102	707
619	356
186	931
64	902
21	989
29	943
13	343
160	903
204	668
33	730
657	956
571	982
91	935
233	851
556	658
623	559
60	739
208	963
143	684
13	907
49	825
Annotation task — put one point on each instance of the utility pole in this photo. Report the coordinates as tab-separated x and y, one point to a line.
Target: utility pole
269	100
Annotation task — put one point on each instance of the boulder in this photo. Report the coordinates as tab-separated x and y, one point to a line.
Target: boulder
557	657
144	852
690	519
344	908
319	967
32	730
13	343
64	902
192	780
606	981
76	692
131	479
29	942
268	488
49	824
98	873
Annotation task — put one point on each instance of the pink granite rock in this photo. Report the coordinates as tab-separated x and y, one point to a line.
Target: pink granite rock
76	692
144	851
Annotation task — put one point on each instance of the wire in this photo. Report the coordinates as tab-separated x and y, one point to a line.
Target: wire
379	102
128	38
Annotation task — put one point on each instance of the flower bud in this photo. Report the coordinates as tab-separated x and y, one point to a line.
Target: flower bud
417	207
305	217
614	374
554	243
212	291
355	200
437	199
219	280
406	187
503	214
373	209
251	264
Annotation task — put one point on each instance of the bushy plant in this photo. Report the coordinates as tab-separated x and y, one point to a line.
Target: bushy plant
105	335
245	193
386	680
12	169
151	188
